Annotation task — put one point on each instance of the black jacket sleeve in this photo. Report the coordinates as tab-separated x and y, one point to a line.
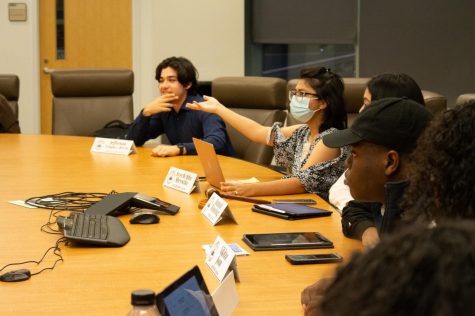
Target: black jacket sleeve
358	216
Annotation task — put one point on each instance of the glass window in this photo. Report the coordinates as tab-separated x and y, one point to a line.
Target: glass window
60	29
285	61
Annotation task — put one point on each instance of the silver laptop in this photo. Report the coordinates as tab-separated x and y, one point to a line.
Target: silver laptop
209	162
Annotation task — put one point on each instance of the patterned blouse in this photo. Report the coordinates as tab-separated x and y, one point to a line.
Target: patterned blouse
291	153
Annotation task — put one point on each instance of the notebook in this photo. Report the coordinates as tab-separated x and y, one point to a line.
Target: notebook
209	162
290	211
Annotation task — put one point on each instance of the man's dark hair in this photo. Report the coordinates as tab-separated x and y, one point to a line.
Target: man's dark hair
394	85
442	167
329	87
185	70
418	271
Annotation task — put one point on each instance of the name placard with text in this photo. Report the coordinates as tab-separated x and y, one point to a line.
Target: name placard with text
221	259
113	146
217	209
181	180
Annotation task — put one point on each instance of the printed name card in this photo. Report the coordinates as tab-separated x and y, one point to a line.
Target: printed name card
113	146
181	180
221	260
217	209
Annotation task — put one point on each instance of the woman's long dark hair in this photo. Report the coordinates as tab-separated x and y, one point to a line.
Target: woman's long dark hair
329	87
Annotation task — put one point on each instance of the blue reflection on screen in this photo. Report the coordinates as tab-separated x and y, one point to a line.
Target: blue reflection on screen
188	300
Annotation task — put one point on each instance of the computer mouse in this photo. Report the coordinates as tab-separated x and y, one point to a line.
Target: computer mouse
16	275
144	218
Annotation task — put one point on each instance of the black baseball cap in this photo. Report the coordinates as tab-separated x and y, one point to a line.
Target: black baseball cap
395	123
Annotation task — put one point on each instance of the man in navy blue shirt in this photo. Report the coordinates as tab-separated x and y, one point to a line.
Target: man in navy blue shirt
168	114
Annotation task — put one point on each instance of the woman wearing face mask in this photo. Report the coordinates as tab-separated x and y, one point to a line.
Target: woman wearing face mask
316	101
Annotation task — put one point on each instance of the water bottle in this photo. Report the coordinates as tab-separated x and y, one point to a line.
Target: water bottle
143	304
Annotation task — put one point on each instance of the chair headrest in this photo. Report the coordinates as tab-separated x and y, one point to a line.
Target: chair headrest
465	98
10	87
434	102
92	82
251	92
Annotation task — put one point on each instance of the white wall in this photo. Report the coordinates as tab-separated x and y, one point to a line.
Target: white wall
208	32
19	54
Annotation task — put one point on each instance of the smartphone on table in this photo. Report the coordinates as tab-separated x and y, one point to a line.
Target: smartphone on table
314	258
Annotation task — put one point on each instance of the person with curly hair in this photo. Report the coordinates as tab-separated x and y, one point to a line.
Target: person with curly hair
443	167
417	271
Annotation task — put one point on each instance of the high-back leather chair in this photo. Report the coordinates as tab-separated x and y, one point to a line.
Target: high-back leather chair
10	89
435	102
353	97
465	98
85	100
262	99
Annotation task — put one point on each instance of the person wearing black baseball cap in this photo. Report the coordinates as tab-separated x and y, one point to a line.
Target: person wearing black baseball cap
381	138
385	85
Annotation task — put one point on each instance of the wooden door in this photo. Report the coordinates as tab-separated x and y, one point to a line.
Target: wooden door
97	34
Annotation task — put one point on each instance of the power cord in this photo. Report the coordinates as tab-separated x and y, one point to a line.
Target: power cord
25	274
67	201
57	203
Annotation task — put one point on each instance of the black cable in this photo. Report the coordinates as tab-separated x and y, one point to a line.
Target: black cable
56	251
67	201
58	203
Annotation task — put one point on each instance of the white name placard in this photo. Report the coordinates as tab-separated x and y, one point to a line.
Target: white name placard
181	180
221	260
113	146
225	296
217	209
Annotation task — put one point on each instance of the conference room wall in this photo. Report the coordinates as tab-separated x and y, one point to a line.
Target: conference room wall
432	40
208	32
19	55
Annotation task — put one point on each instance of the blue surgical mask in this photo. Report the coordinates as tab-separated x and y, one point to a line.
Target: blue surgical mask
300	110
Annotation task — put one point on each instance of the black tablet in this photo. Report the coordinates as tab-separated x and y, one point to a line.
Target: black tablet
282	241
290	211
187	296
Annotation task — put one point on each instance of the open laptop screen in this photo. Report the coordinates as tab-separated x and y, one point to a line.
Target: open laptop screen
209	162
187	296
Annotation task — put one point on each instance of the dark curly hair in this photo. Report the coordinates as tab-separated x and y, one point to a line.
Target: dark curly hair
418	271
329	87
185	70
442	168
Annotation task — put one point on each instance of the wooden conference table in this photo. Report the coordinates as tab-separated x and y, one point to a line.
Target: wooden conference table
98	281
